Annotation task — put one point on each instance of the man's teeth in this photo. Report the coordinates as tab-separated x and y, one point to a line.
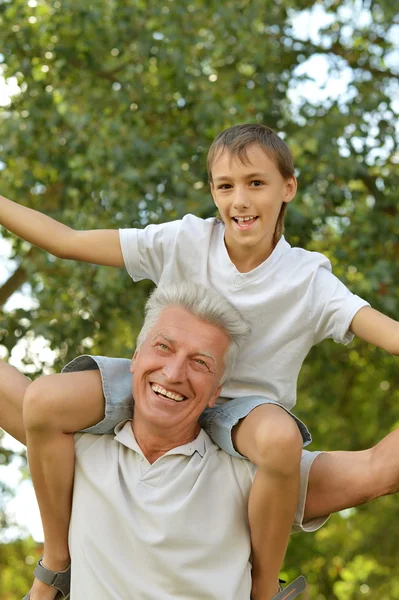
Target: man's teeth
160	390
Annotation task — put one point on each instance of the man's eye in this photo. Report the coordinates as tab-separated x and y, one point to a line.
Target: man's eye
201	363
163	346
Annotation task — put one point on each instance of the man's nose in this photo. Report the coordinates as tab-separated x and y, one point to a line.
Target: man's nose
174	369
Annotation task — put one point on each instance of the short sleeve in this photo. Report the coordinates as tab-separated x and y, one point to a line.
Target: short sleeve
145	251
246	471
84	441
333	307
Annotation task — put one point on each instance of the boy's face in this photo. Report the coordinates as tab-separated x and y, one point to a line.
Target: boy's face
249	198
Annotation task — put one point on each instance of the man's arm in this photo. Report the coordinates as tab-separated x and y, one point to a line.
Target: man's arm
377	329
101	246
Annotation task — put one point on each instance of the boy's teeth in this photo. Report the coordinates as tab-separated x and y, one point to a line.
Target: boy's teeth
160	390
244	219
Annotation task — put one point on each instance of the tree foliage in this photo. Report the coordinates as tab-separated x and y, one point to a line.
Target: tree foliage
118	103
16	564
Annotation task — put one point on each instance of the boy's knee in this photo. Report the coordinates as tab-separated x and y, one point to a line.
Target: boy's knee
38	411
278	444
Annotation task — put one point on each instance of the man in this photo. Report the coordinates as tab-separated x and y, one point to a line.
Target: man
159	511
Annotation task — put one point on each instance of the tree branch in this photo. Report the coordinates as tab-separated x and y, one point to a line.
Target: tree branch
17	279
12	284
350	55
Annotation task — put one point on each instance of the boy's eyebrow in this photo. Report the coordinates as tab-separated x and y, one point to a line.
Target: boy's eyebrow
248	176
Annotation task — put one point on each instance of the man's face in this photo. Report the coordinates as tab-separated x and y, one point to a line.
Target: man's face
177	370
249	198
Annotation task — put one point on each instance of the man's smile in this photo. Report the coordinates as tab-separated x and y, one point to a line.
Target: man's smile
161	391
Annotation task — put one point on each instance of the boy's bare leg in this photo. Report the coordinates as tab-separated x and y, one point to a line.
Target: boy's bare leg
54	407
13	385
270	438
340	480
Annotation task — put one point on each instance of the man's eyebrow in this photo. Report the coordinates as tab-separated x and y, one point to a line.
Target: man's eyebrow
165	337
172	341
207	354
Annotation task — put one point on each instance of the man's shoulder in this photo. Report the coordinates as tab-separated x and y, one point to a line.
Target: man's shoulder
86	441
242	469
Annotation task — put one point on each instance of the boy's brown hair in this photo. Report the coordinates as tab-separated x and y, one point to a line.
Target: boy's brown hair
237	139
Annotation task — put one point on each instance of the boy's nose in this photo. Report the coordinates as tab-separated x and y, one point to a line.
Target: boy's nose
240	200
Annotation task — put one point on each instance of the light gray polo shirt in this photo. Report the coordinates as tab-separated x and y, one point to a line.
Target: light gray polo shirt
174	529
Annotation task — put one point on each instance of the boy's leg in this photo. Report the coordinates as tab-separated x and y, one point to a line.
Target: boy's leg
55	406
340	480
13	385
270	438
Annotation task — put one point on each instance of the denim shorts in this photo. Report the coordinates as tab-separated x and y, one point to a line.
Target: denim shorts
218	422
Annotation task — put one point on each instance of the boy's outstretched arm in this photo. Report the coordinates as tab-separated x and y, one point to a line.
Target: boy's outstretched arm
377	329
99	246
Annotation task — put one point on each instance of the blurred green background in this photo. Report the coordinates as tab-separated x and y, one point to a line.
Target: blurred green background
115	105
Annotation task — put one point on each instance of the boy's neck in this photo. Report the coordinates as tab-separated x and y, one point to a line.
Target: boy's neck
247	259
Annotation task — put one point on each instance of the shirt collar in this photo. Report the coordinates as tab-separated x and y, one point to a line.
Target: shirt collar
124	435
282	247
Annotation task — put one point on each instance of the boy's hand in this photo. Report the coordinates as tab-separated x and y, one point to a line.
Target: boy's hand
101	247
376	328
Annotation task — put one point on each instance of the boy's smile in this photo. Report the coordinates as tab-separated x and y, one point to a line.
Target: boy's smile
245	222
249	196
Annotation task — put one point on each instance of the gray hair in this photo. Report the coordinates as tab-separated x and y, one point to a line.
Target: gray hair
204	303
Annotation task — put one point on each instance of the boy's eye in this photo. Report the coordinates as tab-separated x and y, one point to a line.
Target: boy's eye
256	183
224	186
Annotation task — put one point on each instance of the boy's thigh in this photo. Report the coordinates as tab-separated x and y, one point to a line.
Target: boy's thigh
113	385
220	421
66	401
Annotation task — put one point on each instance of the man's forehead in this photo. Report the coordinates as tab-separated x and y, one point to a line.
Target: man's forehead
178	325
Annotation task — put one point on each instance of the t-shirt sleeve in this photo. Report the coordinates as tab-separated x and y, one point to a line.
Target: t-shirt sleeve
145	251
333	307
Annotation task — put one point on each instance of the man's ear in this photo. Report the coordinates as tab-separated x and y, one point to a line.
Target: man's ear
214	397
291	186
133	361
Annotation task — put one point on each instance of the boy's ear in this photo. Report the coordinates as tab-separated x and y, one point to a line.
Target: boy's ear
212	191
291	187
133	361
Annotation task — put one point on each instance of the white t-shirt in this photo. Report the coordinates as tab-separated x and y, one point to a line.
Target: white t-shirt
292	300
174	529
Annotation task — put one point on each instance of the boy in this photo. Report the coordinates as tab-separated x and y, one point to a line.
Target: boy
288	295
